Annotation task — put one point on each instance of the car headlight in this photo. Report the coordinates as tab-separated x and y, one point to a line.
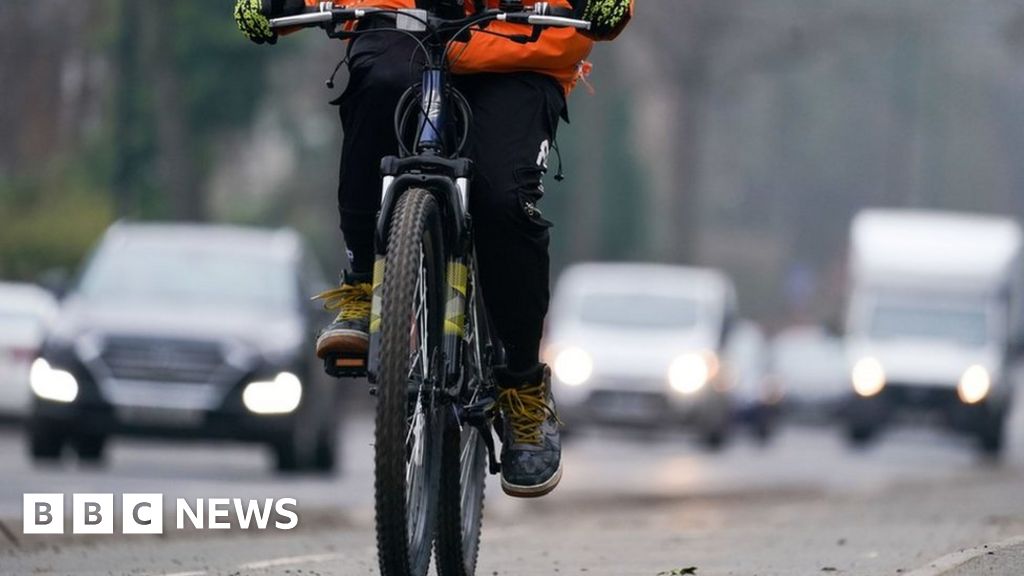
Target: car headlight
52	384
573	366
278	396
692	371
974	385
868	377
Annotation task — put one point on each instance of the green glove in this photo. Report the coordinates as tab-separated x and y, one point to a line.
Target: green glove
607	17
252	22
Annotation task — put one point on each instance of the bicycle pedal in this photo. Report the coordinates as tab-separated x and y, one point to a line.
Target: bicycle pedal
345	366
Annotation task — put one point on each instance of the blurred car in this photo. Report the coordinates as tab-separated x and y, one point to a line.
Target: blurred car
180	330
807	368
25	312
756	395
641	344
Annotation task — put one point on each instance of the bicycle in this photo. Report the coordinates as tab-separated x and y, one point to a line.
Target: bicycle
431	350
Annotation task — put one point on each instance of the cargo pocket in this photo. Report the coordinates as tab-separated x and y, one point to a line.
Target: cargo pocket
529	200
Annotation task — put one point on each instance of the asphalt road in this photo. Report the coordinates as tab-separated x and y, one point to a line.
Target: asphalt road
638	504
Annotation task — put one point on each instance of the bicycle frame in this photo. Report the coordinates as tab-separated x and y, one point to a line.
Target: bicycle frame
432	108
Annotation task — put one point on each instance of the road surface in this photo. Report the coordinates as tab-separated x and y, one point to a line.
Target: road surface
629	504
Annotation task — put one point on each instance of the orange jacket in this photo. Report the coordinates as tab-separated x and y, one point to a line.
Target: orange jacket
559	53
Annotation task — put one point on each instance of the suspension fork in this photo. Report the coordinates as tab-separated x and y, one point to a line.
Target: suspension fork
457	287
373	361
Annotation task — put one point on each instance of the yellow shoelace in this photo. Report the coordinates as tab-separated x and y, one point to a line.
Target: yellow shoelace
525	410
352	301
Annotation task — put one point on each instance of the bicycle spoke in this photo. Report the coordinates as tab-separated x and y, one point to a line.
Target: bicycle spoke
424	319
416	417
418	343
417	426
478	357
414	326
418	339
465	472
414	476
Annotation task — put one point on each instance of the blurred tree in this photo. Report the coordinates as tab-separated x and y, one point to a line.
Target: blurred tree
623	203
130	143
53	150
186	77
664	62
112	109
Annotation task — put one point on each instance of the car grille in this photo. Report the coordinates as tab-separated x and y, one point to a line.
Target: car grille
925	396
624	404
163	360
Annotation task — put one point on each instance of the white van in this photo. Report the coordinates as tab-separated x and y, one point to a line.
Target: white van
932	320
642	344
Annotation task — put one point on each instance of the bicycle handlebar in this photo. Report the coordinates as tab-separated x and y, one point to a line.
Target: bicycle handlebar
325	13
542	20
321	17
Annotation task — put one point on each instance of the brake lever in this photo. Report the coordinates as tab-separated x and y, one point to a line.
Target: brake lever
524	39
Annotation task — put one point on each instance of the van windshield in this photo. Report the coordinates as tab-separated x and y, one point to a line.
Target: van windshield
639	310
211	275
963	326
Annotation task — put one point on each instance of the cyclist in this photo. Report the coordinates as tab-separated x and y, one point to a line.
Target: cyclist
517	95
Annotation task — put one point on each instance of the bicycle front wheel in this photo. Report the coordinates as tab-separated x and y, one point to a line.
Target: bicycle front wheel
409	423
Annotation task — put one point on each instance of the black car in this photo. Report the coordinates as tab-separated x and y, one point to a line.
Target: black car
178	330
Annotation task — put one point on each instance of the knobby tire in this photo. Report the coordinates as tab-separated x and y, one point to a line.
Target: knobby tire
414	245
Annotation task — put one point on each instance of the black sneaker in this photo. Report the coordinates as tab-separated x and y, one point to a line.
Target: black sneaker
349	334
531	450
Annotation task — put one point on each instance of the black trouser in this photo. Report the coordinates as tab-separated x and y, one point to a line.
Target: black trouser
515	117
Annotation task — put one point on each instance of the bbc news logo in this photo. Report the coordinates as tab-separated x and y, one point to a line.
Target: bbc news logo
144	513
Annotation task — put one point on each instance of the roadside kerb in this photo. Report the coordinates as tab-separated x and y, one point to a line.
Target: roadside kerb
954	560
